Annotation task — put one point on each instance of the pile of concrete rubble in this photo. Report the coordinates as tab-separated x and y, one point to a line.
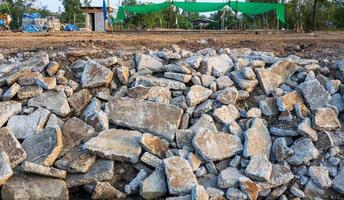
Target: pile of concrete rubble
212	124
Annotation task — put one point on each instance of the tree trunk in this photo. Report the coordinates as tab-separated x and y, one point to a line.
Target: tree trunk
314	13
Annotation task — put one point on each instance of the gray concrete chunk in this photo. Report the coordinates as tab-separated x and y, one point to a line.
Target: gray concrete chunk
179	175
10	145
8	109
116	144
154	186
304	151
29	124
5	167
314	93
102	170
161	120
210	145
45	147
53	101
34	187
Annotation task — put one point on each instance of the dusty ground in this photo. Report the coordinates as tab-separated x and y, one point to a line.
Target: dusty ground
319	45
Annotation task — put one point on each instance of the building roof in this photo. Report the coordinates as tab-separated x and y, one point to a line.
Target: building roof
202	20
88	9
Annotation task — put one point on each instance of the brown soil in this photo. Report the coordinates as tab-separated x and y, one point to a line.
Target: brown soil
318	45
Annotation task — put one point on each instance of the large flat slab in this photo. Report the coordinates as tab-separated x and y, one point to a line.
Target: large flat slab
116	144
22	186
159	119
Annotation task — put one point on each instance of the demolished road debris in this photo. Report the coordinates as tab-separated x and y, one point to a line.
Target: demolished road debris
170	124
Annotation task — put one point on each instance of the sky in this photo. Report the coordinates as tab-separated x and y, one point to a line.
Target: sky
54	5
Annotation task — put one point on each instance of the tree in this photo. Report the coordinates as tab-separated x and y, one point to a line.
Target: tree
72	12
16	8
338	14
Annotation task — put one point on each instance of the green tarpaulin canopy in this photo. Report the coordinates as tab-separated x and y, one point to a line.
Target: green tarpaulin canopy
242	7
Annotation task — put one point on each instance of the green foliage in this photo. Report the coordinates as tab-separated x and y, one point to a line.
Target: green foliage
329	15
72	13
16	8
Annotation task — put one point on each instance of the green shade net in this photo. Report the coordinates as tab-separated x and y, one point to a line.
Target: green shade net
199	6
258	8
242	7
149	8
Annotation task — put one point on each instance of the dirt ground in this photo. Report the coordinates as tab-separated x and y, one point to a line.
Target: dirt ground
319	45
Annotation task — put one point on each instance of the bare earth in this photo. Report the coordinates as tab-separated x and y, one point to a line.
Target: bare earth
320	45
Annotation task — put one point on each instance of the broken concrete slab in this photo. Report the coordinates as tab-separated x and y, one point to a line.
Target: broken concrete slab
305	129
338	182
159	95
204	122
197	94
320	176
288	101
220	65
13	148
269	106
284	68
280	175
45	147
161	120
11	92
123	74
102	170
147	62
29	124
34	187
104	190
78	101
227	96
8	109
257	139
116	144
280	149
154	186
179	175
229	177
314	93
226	114
94	115
52	68
150	81
74	132
151	160
326	119
5	167
76	161
199	193
32	168
304	151
95	75
185	78
268	80
47	83
249	187
259	168
154	145
53	101
27	92
209	144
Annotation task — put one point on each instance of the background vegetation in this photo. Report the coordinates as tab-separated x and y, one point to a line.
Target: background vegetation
329	15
